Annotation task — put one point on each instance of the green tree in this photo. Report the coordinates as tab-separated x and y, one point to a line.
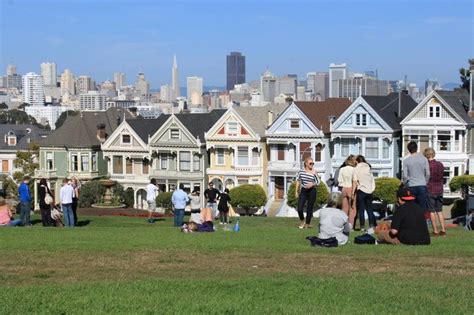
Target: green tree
9	186
91	192
26	161
465	79
163	200
3	105
247	196
322	196
458	182
64	115
23	105
16	116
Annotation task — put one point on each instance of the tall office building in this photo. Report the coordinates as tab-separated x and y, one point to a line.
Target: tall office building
120	80
11	69
318	84
336	72
142	87
235	69
92	100
48	71
287	85
33	89
268	86
67	83
194	90
357	85
175	89
165	93
14	80
84	84
431	85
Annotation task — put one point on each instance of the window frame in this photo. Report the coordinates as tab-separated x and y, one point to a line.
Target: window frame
119	159
255	159
243	149
49	168
94	162
176	132
360	120
229	131
128	166
122	142
218	151
374	148
196	162
74	160
164	161
294	120
181	161
85	157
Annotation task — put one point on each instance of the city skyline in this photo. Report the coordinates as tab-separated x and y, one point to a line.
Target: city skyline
405	41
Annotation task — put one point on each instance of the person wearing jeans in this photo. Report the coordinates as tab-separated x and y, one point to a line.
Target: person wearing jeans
65	197
179	200
416	174
25	201
6	217
363	185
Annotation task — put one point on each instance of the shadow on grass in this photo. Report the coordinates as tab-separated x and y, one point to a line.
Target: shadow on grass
83	223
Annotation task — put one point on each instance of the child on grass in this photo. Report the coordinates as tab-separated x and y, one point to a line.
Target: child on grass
223	207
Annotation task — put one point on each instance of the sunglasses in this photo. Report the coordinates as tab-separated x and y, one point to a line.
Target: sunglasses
311	163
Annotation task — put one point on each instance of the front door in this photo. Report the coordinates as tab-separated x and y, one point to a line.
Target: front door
279	188
5	166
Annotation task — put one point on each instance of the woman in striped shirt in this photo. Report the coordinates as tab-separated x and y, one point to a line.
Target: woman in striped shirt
306	182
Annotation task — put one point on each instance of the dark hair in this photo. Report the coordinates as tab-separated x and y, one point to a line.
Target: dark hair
153	181
181	186
412	147
26	177
226	190
195	191
361	159
65	180
43	182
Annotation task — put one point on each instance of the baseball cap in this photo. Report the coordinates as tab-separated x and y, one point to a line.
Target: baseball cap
405	194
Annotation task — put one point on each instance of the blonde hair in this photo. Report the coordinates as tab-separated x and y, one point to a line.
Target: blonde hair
306	159
350	160
429	153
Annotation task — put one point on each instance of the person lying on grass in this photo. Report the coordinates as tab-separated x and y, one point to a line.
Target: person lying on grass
204	225
408	224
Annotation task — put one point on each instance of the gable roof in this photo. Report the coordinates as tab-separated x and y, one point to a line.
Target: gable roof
387	107
199	123
147	127
257	116
319	112
25	134
458	100
80	131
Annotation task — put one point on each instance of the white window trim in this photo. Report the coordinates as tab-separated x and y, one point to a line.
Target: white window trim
217	156
46	161
179	134
94	169
124	143
89	162
227	129
78	154
361	120
112	165
162	160
294	119
249	156
190	161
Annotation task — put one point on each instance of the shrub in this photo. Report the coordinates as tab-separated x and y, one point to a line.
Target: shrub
9	186
386	189
122	196
322	196
163	200
247	196
91	192
459	181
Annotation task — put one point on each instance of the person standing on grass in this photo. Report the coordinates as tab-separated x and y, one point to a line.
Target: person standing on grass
151	192
75	199
363	186
24	196
212	194
45	195
223	207
65	197
416	174
179	200
435	192
346	173
307	181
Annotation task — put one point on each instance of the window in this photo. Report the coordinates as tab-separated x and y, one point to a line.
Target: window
446	175
361	119
11	140
434	111
74	162
294	124
345	147
94	162
444	141
174	133
243	155
232	127
318	153
220	156
456	171
187	187
385	149
255	156
372	147
85	162
163	161
145	166
117	166
49	160
280	152
184	161
196	162
128	166
126	139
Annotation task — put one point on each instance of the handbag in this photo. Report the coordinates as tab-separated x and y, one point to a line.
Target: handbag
48	199
55	214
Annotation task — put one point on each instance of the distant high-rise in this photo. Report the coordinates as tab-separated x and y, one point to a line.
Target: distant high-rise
165	93
318	84
142	87
33	89
287	85
92	100
194	90
336	72
48	71
235	69
67	83
268	86
11	69
175	90
431	85
357	85
120	80
84	84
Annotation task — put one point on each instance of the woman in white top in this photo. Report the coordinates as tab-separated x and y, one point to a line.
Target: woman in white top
195	203
363	184
306	182
345	181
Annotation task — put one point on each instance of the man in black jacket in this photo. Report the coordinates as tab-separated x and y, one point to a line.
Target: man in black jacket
212	195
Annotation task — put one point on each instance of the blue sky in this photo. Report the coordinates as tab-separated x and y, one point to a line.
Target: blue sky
420	38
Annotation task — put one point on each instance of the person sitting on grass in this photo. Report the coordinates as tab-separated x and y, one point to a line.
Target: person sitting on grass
6	217
408	224
333	222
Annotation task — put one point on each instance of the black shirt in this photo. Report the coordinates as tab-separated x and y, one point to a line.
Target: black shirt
223	202
409	220
211	194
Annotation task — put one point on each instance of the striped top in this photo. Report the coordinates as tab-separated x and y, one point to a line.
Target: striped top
306	178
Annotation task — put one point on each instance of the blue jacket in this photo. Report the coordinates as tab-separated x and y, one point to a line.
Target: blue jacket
24	193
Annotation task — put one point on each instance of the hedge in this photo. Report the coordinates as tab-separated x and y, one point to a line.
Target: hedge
248	196
386	189
459	181
163	200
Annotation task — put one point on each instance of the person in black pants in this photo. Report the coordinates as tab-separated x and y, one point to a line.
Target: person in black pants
306	182
75	198
45	208
363	186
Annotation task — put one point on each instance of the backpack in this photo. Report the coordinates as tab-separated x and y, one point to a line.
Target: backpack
323	242
364	239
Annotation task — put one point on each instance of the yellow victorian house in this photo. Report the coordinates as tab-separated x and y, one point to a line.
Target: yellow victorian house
237	147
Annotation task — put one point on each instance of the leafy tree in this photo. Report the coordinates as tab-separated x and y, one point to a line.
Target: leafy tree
23	105
247	196
26	161
64	115
3	106
322	196
461	181
163	200
465	79
91	192
16	116
9	186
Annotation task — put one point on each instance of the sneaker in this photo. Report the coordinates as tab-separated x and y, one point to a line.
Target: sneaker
221	223
301	226
370	231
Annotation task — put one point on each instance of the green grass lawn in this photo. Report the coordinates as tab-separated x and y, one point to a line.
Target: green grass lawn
125	265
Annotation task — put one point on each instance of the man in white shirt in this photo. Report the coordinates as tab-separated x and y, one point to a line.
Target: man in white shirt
65	197
333	222
151	192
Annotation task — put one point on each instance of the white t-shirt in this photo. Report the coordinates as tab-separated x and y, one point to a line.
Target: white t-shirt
332	223
66	194
151	191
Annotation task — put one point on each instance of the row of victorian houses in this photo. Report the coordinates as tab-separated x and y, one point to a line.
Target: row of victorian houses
257	145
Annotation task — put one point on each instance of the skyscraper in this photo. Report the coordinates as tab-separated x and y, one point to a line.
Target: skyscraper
67	83
268	86
33	89
336	72
84	84
194	90
175	90
235	69
287	85
142	86
120	80
359	84
318	84
431	85
48	71
11	69
165	93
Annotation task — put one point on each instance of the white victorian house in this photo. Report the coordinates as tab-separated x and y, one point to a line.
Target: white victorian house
371	127
441	121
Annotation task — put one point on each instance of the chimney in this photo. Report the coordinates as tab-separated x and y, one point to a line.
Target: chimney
133	111
400	103
101	135
331	119
270	117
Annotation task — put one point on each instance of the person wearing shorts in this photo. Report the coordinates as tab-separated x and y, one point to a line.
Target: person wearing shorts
151	192
435	192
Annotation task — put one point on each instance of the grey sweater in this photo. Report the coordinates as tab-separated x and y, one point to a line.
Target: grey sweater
416	170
